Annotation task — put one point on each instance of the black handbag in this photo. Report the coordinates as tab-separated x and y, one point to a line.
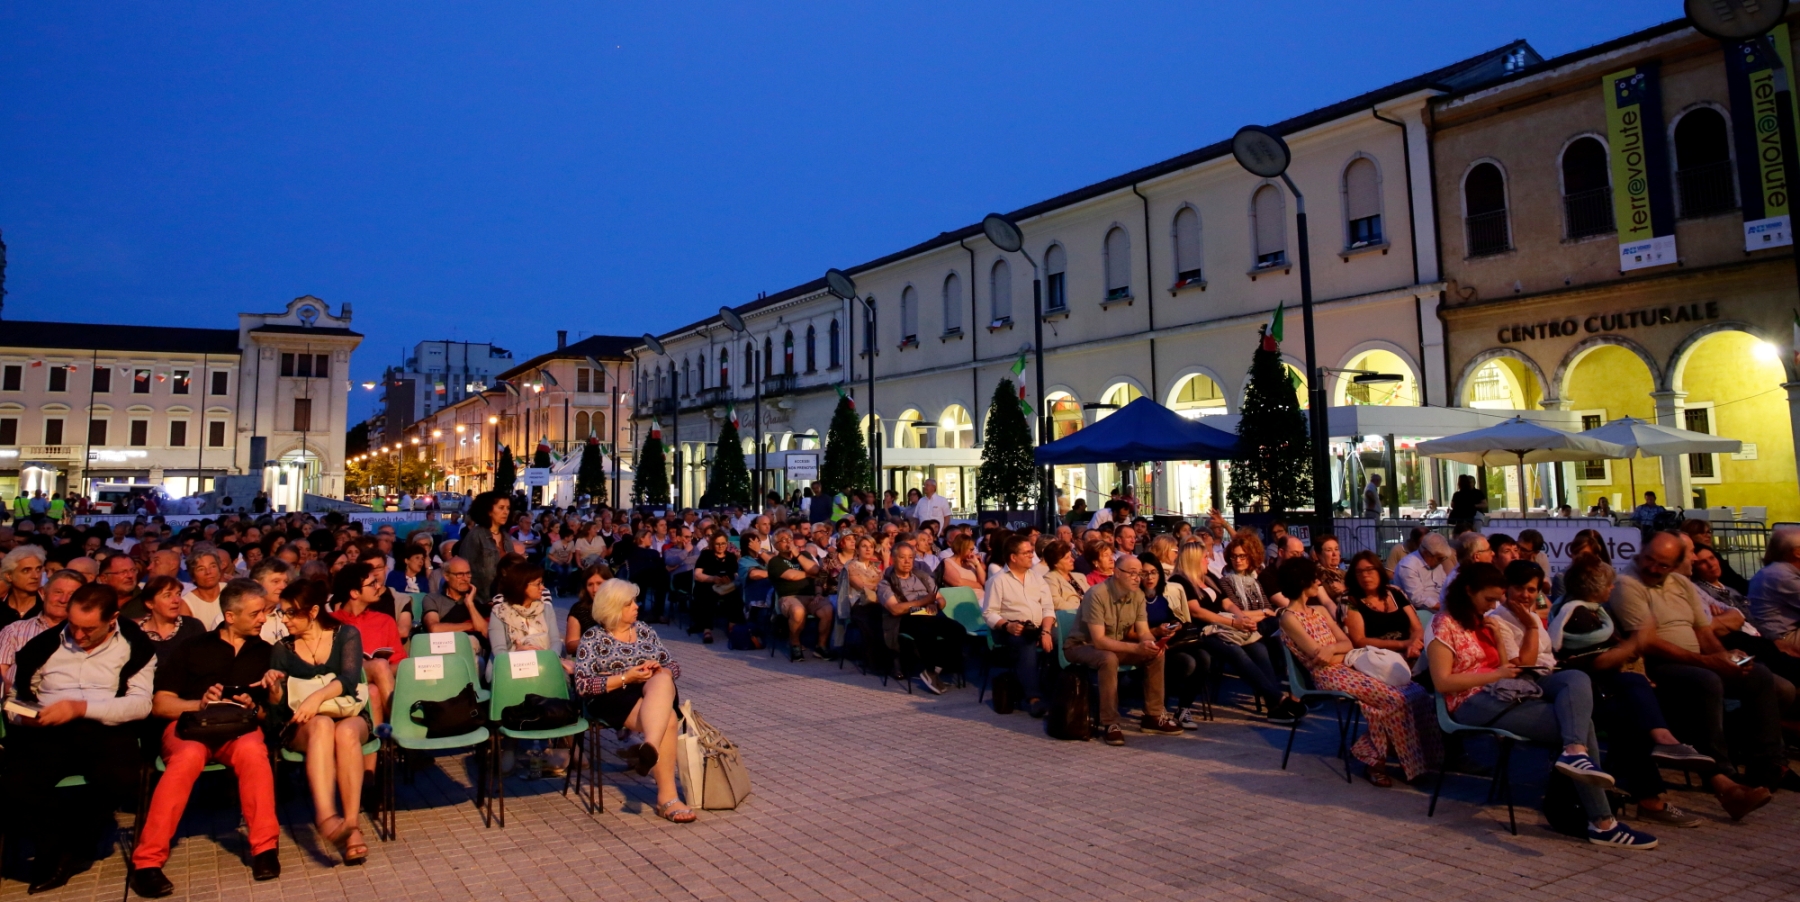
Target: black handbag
216	723
536	712
454	716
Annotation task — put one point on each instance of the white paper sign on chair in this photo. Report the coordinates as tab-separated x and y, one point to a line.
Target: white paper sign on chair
443	643
428	667
524	664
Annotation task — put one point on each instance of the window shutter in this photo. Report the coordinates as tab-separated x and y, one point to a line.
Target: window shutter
909	312
1187	240
1271	224
1362	198
1001	290
952	302
1118	260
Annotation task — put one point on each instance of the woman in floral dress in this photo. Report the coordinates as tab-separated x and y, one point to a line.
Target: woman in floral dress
1320	646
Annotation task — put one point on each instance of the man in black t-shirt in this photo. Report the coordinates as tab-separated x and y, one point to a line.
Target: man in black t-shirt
792	573
233	659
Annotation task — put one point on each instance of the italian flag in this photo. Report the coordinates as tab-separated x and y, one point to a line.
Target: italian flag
656	429
732	409
1272	339
846	396
1018	373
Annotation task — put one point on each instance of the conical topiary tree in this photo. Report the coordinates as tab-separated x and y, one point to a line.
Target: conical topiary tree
1009	471
650	484
506	472
1277	461
730	481
846	466
590	478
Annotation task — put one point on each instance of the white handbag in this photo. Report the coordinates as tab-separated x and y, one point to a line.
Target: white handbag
298	690
711	768
1388	666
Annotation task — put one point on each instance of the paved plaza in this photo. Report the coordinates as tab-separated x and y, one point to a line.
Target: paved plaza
863	792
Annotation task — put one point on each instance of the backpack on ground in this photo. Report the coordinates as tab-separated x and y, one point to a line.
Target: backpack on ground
1006	692
741	638
1068	718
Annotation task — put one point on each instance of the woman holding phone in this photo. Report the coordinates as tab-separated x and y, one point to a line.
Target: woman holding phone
627	678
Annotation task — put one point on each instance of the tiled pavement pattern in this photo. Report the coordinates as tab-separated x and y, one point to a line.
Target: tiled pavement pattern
869	793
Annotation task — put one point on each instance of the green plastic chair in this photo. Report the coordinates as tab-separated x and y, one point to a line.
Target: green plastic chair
550	682
962	605
1300	683
1501	782
420	645
418	609
410	736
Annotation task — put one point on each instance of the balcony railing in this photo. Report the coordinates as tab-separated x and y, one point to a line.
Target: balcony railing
1588	213
1706	190
780	384
1488	234
50	452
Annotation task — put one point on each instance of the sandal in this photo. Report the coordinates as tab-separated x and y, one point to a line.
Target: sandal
675	812
1378	777
355	853
334	836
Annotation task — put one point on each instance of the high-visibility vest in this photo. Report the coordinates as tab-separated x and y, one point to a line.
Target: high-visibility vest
840	507
21	506
56	508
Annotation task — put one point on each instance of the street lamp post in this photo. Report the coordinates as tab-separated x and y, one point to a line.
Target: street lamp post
1264	153
1005	235
842	287
736	324
656	347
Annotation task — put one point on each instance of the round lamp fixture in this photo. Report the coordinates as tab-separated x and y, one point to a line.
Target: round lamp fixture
840	285
1735	20
1002	232
1261	151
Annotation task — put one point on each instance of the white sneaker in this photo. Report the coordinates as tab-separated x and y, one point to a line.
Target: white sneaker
930	682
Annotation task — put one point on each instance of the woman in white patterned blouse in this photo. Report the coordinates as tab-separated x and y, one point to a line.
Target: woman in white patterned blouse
628	679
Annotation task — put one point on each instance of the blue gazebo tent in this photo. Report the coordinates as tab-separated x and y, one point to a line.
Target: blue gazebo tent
1139	432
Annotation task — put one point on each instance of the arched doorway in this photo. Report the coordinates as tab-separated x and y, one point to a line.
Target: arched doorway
1403	393
1732	384
296	475
1195	486
1502	383
1110	476
1602	384
1066	420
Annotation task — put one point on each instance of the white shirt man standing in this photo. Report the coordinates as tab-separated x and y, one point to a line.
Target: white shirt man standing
932	506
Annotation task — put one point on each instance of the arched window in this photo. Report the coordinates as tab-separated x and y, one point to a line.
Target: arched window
1268	214
724	367
749	362
909	315
1362	203
812	349
1118	264
687	378
1056	275
597	424
1000	291
662	381
1484	211
952	303
787	353
836	346
955	429
1587	189
700	374
581	426
768	356
1187	246
1703	164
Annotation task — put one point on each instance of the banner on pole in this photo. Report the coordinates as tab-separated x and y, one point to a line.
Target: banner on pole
1750	77
1643	210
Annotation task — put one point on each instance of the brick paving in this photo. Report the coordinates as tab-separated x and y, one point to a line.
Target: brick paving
863	792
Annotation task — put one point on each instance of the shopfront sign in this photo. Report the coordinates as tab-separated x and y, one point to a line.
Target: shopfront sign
1616	321
1756	127
1643	208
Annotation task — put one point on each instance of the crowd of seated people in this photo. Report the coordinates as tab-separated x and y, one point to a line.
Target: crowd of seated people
305	619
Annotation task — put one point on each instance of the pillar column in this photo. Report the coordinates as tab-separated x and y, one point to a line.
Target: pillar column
1556	488
1674	467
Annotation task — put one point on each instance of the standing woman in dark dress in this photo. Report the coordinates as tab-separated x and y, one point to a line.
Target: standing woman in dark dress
1375	616
484	540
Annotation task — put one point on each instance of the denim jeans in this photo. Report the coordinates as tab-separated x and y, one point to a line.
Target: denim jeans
1248	661
1696	696
1563	716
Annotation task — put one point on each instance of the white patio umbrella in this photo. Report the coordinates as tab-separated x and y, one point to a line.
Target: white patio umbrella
1518	442
1641	438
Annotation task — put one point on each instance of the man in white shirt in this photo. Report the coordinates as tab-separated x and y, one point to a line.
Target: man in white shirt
1422	574
121	538
1021	616
90	682
932	506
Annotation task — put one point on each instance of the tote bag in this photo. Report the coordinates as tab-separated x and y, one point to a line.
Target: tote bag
1383	664
343	706
710	766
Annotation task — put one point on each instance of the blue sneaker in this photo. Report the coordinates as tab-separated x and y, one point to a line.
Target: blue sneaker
1583	768
1621	837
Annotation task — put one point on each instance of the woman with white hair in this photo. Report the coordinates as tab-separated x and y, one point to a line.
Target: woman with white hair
628	680
22	582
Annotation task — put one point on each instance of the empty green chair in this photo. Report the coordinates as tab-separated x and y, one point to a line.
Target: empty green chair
549	682
409	735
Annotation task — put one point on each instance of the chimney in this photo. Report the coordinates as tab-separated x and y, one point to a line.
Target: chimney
562	339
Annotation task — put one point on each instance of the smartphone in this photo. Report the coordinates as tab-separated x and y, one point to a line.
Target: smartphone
1744	660
235	691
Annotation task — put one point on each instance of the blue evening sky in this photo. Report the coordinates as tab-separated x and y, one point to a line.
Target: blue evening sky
500	171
